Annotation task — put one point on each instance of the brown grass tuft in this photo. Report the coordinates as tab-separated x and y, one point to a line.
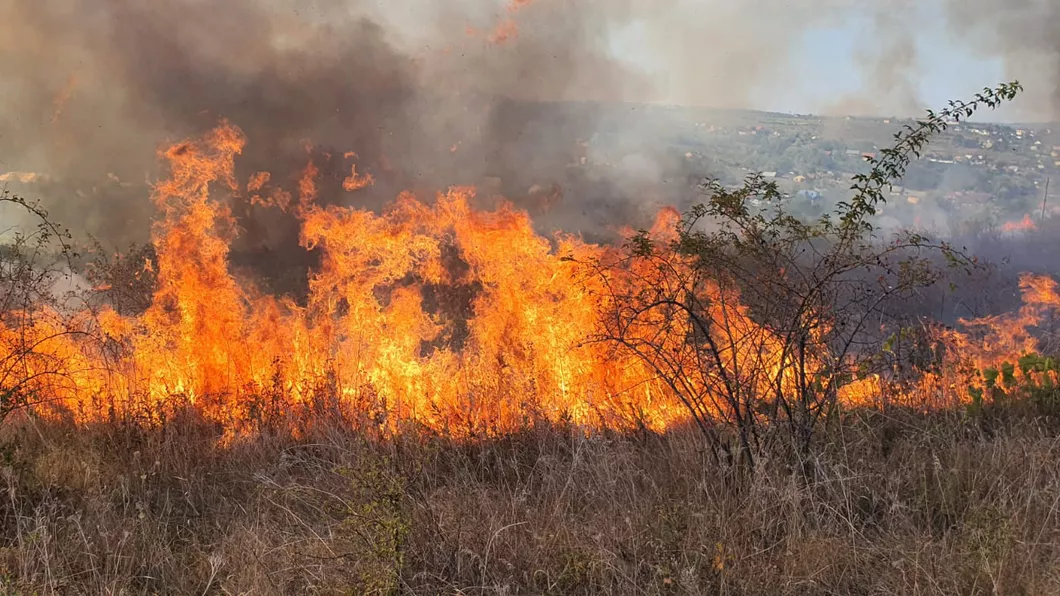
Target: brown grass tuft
903	504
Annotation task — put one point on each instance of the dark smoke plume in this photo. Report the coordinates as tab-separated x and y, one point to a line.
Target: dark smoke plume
93	88
428	94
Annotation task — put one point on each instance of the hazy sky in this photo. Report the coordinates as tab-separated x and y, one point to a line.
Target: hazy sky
826	57
836	64
92	88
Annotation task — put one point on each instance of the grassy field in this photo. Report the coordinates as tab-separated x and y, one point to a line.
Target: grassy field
893	503
116	483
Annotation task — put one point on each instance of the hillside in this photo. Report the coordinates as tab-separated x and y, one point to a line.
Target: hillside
987	173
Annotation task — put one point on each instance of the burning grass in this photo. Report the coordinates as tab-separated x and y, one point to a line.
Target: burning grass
464	320
459	405
442	314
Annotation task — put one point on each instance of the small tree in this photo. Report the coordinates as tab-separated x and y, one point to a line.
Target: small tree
35	325
757	320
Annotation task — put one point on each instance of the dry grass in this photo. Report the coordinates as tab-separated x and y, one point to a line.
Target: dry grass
902	504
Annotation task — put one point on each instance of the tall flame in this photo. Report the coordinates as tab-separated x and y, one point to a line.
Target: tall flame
463	320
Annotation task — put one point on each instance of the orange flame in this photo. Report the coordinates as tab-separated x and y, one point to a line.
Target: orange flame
505	31
63	98
1023	225
465	321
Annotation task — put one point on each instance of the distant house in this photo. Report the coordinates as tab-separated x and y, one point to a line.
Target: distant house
769	174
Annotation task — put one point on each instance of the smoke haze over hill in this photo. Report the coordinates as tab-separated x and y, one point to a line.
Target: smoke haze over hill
92	89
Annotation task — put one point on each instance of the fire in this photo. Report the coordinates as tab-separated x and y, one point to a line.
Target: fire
988	354
63	98
1023	225
455	318
462	320
506	29
504	32
994	343
23	177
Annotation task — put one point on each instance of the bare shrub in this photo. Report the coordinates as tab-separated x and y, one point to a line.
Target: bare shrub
755	319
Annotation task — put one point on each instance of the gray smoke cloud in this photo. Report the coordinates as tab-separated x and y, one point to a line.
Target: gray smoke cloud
889	65
93	87
1025	36
427	94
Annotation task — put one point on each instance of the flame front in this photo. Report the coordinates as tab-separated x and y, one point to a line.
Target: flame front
1023	225
462	320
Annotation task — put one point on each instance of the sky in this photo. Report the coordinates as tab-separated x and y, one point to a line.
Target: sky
826	59
822	67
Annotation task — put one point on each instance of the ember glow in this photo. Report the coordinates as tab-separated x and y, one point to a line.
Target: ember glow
462	320
1022	225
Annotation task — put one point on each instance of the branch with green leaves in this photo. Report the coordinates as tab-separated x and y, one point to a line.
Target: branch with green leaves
892	163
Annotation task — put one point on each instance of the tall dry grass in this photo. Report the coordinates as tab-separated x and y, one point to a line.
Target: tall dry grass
892	504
